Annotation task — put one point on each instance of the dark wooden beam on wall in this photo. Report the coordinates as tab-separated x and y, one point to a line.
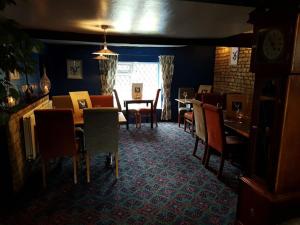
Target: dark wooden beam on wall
241	40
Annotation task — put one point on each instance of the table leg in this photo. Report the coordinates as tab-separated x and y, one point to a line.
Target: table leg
151	115
127	117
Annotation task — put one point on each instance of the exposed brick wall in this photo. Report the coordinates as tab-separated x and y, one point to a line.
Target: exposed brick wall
16	145
233	78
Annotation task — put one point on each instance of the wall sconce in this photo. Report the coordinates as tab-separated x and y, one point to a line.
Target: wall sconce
45	83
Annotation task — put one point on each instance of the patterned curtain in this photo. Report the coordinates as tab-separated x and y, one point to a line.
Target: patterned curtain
167	65
108	70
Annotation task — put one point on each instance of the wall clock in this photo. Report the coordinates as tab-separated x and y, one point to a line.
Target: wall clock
273	44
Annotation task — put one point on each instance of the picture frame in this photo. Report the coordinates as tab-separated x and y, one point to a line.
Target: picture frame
137	90
74	69
234	56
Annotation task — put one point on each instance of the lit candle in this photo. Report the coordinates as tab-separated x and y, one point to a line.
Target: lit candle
11	101
46	89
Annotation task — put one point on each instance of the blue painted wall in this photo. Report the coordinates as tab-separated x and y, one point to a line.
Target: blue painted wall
192	66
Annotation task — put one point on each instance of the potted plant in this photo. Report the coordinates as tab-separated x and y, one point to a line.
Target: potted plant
16	49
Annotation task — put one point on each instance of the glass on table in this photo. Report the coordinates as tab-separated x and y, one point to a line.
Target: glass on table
184	95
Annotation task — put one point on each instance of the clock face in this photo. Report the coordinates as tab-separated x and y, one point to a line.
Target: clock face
273	44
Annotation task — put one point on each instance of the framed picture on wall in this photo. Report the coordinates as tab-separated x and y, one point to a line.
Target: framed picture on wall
74	69
234	56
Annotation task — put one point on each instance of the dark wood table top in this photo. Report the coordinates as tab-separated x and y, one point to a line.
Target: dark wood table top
241	126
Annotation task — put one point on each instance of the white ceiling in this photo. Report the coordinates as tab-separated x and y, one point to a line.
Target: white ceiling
161	18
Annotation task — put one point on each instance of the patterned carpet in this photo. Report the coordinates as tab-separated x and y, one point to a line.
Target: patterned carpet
160	183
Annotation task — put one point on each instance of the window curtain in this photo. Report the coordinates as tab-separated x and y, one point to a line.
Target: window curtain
167	67
108	70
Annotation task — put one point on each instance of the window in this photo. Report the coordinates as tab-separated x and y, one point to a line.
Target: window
138	72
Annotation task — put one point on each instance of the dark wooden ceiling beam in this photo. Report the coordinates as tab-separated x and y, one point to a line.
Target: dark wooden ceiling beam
242	40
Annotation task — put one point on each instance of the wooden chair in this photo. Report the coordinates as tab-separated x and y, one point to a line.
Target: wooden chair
216	138
130	111
101	132
146	112
182	108
189	119
56	136
200	125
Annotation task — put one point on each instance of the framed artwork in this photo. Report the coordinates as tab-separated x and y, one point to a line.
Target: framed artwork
234	56
15	75
74	69
137	90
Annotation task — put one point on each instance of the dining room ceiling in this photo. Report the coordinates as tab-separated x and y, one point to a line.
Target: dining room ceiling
157	18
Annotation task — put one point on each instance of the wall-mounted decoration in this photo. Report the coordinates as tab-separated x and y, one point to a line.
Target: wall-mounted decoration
234	56
74	69
137	90
15	75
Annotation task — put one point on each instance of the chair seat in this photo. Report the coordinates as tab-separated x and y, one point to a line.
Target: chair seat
233	140
144	110
182	109
188	115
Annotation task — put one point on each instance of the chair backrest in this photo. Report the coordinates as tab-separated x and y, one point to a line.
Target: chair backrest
55	132
62	102
102	100
200	123
215	127
117	100
80	101
204	89
101	129
190	94
236	101
156	99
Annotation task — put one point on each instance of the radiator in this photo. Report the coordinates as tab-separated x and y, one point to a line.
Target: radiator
29	130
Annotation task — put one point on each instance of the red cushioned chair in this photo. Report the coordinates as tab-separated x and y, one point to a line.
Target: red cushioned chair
102	100
55	133
183	108
216	138
146	112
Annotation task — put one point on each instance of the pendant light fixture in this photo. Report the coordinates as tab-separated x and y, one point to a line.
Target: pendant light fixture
105	50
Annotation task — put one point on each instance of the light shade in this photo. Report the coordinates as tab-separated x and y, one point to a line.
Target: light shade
105	50
100	57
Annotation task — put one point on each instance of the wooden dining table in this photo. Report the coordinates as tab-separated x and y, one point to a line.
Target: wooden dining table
138	101
241	127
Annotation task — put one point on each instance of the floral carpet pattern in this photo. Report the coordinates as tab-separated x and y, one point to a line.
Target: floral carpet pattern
160	183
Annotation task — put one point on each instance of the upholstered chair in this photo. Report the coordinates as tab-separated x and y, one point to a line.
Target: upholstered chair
102	100
146	112
200	127
56	136
183	108
216	138
101	132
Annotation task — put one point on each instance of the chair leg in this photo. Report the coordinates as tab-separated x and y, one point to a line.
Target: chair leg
178	119
205	152
88	173
221	166
117	164
75	168
192	132
44	164
196	146
184	124
207	157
